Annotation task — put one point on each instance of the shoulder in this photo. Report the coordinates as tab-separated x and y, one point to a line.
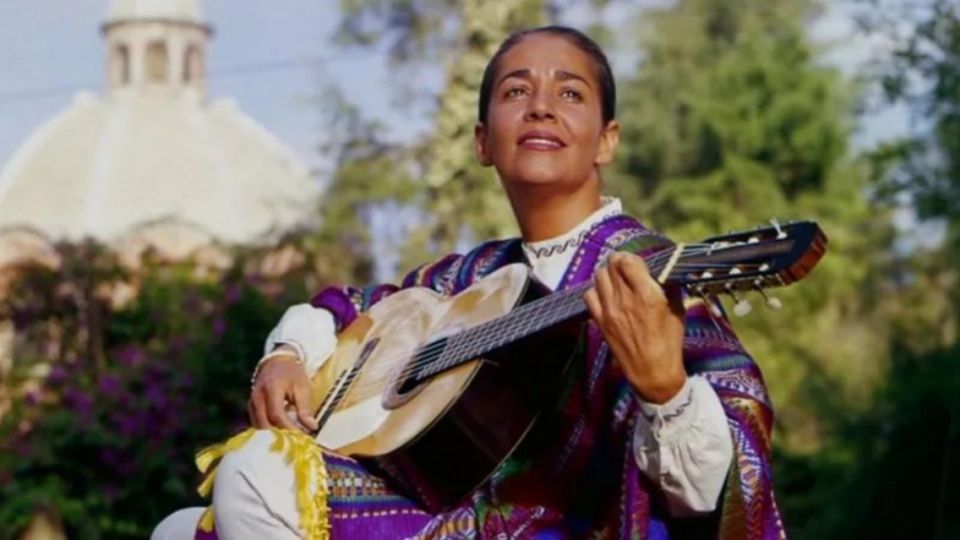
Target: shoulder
455	271
628	233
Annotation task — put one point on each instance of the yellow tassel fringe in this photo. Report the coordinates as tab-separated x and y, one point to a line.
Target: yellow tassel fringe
306	459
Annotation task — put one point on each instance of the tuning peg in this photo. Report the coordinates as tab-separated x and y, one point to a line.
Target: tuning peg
772	302
742	308
776	225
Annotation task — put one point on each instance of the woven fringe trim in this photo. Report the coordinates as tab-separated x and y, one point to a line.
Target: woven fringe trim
302	454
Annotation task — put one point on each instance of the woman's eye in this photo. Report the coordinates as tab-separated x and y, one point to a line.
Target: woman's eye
571	94
516	91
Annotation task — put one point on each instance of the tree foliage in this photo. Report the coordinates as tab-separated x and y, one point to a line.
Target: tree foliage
730	121
111	399
924	73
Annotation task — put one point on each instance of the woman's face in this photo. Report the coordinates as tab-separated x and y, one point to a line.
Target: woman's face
544	124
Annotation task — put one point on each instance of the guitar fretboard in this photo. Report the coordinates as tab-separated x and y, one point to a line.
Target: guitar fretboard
522	322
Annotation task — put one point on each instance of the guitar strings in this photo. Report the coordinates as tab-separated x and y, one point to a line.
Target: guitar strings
434	350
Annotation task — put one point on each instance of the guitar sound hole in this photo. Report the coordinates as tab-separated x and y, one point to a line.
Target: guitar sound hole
416	373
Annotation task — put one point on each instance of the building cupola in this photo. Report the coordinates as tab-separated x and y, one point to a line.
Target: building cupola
156	44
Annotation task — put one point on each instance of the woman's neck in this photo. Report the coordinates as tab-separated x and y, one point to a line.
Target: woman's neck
543	213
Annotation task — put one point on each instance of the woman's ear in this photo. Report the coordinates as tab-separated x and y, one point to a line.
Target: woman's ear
480	144
609	140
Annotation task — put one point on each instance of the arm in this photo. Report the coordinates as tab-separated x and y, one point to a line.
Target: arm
739	411
683	441
684	447
305	338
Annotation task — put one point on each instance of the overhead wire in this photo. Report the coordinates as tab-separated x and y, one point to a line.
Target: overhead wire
253	68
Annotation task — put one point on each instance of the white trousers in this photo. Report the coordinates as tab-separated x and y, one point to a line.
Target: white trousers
254	497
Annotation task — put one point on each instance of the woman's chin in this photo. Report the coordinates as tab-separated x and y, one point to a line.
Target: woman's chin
539	177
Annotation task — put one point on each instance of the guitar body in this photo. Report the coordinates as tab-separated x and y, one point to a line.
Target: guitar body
440	439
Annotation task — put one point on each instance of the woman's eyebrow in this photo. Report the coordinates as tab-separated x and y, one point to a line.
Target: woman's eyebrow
562	75
518	73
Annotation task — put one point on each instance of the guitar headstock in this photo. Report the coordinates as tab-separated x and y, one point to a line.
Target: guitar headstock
757	259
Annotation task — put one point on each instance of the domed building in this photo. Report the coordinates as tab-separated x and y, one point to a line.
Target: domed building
153	162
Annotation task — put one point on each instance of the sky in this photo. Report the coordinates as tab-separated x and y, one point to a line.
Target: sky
276	59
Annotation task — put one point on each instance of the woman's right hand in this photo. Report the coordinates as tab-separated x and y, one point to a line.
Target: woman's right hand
281	381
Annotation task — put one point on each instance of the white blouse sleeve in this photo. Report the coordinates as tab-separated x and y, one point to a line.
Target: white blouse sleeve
309	330
685	447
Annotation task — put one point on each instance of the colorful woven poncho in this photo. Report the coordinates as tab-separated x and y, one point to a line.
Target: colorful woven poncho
580	479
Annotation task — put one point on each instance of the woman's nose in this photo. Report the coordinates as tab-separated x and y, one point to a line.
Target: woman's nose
540	107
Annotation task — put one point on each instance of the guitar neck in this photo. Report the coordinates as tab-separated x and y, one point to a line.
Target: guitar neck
741	262
526	320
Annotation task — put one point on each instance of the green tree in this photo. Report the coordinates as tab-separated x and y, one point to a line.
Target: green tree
732	120
460	199
924	72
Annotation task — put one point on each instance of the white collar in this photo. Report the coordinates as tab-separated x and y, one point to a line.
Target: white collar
572	238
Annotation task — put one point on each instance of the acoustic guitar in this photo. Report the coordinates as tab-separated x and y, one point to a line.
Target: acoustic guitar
443	389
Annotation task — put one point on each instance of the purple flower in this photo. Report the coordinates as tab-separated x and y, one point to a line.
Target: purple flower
109	385
131	356
22	318
233	294
78	401
219	327
156	396
57	375
129	426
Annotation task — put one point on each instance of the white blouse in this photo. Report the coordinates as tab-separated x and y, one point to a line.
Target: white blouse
683	445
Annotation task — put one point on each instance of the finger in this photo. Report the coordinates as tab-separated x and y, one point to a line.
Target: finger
301	402
276	402
604	287
634	272
618	270
593	304
259	410
642	283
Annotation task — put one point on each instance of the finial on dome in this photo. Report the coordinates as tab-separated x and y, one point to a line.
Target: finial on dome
183	11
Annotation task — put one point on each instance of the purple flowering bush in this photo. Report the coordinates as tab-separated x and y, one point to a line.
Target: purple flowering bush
110	404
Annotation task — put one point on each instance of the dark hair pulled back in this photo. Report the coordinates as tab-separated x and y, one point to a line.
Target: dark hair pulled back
608	89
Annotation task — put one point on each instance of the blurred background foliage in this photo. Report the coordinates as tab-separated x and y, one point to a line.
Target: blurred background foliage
730	116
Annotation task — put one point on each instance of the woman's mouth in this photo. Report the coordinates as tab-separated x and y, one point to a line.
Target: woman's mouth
540	140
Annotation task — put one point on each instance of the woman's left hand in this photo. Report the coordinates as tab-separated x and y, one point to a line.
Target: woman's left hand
643	323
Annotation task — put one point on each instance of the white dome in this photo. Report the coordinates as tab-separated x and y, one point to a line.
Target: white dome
106	166
143	10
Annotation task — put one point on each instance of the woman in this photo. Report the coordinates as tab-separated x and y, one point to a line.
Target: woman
665	427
